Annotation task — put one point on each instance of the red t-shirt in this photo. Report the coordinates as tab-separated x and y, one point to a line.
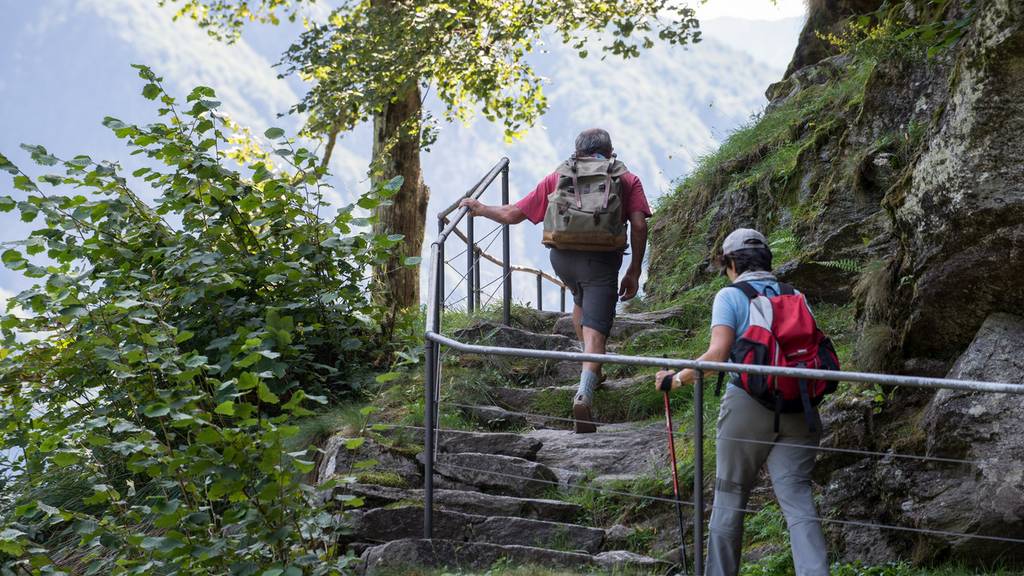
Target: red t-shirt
535	204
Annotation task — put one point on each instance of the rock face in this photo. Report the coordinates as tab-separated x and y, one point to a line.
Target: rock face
984	498
962	220
892	186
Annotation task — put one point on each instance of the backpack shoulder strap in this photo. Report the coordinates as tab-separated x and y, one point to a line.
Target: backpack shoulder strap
746	288
786	289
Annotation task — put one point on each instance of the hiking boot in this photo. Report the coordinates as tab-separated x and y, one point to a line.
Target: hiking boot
581	413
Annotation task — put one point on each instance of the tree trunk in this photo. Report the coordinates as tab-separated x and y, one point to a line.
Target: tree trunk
396	152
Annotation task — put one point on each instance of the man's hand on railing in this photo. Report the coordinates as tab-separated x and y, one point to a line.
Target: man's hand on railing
510	214
475	206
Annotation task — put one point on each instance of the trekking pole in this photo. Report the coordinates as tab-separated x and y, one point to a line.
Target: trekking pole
666	385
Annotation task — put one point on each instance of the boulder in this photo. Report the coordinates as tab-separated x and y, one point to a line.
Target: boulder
339	459
989	498
985	497
496	474
495	417
488	443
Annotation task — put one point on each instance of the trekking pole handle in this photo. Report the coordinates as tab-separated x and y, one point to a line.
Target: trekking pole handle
666	383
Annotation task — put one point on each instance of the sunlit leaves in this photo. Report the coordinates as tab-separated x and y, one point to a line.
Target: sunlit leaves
155	367
473	54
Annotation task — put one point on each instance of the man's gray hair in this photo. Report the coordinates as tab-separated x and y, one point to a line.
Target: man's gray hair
594	141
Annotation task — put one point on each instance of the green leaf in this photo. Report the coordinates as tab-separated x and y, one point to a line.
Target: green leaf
355	443
64	458
388	377
183	336
265	395
7	166
249	360
274	133
247	381
157	410
7	203
226	408
11	255
412	260
151	91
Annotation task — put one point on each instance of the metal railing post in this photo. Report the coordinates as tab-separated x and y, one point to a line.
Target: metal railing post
698	475
428	441
470	254
439	314
563	300
506	267
540	292
432	357
476	276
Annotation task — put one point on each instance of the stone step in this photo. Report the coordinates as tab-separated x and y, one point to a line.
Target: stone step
396	523
628	448
412	553
470	502
557	401
494	473
502	444
625	325
496	334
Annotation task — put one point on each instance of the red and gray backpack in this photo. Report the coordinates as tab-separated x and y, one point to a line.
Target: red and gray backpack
783	333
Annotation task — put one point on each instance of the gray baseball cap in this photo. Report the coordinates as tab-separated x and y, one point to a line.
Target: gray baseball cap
743	238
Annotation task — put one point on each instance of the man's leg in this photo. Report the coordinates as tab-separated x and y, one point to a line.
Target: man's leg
790	468
736	468
577	320
598	313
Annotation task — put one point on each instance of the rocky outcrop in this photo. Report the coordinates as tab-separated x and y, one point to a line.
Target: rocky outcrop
984	497
962	219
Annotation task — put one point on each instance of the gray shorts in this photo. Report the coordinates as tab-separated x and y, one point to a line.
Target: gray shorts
593	279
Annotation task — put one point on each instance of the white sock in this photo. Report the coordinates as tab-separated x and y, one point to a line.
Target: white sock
588	381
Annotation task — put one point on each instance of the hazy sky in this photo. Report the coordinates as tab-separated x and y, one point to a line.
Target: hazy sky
752	9
66	63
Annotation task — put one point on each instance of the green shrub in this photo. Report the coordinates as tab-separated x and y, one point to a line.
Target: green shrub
151	375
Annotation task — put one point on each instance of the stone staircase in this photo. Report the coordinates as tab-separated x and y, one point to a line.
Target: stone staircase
493	489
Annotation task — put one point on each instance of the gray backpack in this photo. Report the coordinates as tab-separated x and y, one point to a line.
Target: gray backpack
585	210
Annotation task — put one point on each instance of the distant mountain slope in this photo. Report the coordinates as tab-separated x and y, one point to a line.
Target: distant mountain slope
66	66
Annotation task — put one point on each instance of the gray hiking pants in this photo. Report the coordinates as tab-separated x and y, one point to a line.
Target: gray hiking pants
737	466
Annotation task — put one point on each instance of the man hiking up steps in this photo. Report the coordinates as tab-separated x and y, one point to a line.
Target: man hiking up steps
585	205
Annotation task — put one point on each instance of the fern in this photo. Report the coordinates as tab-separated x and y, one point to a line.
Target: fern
845	265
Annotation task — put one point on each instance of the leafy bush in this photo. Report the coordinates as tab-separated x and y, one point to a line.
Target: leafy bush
150	377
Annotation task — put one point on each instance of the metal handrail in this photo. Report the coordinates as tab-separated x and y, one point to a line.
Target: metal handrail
802	373
473	192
